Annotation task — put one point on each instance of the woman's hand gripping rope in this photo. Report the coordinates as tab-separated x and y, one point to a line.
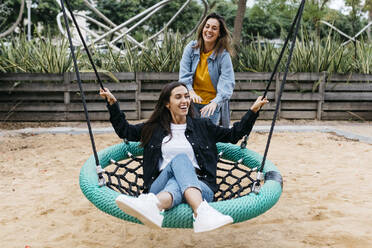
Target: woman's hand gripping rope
106	94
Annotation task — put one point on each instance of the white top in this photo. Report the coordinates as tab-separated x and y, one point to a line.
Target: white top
178	144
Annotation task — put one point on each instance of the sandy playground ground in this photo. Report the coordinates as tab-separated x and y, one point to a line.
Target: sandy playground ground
326	202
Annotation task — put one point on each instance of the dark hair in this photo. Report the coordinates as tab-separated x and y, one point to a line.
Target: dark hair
161	115
224	40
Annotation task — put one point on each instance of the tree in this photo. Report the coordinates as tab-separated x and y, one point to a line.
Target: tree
238	22
355	14
368	7
45	10
315	11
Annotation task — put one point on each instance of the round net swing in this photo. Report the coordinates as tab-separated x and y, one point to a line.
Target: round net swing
241	195
235	177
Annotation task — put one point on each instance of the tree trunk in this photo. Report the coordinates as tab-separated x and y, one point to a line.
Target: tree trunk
238	22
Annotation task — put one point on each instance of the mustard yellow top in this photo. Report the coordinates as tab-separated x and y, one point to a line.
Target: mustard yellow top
202	81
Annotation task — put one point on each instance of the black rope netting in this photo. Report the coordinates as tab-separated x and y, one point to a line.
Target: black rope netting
234	179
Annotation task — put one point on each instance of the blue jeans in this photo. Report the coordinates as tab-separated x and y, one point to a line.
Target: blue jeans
215	117
178	176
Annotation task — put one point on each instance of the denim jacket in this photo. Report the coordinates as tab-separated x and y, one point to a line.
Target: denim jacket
220	70
201	133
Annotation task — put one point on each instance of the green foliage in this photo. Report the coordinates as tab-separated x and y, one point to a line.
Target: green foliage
39	55
311	54
159	57
256	57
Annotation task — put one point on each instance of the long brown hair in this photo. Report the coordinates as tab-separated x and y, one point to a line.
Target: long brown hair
224	40
161	117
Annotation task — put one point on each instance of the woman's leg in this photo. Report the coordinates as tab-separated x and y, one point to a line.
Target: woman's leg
178	180
166	188
190	186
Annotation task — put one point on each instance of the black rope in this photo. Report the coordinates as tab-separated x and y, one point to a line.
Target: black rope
283	83
99	169
295	20
84	44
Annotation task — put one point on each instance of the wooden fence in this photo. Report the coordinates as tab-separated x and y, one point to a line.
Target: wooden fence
52	97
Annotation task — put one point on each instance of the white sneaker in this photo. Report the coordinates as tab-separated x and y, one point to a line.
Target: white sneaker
143	208
209	218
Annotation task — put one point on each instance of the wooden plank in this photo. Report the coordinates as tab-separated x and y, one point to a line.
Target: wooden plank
241	95
302	76
347	115
268	115
60	116
32	87
301	96
74	107
14	97
349	87
248	76
30	77
350	78
126	96
347	106
265	76
246	105
98	116
153	86
264	115
148	105
241	86
321	90
348	96
156	76
298	114
89	87
294	105
59	87
91	76
148	96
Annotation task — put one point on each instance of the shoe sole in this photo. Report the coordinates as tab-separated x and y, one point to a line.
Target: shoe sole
129	209
225	223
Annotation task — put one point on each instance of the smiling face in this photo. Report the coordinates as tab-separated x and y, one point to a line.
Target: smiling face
179	103
211	31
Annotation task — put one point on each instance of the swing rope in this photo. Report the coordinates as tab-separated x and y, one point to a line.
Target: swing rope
101	179
295	25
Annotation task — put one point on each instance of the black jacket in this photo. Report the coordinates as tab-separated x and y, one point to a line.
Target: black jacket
201	133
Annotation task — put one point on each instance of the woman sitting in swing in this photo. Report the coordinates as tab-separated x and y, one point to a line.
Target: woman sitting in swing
179	157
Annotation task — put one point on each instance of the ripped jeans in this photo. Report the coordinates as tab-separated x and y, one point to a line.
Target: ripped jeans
178	176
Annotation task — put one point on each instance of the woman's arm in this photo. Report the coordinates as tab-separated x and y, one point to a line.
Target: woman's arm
226	80
117	118
225	85
186	75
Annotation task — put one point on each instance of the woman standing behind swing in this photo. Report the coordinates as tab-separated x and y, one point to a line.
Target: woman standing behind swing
207	70
179	157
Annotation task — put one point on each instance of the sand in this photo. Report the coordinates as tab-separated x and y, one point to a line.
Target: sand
326	202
